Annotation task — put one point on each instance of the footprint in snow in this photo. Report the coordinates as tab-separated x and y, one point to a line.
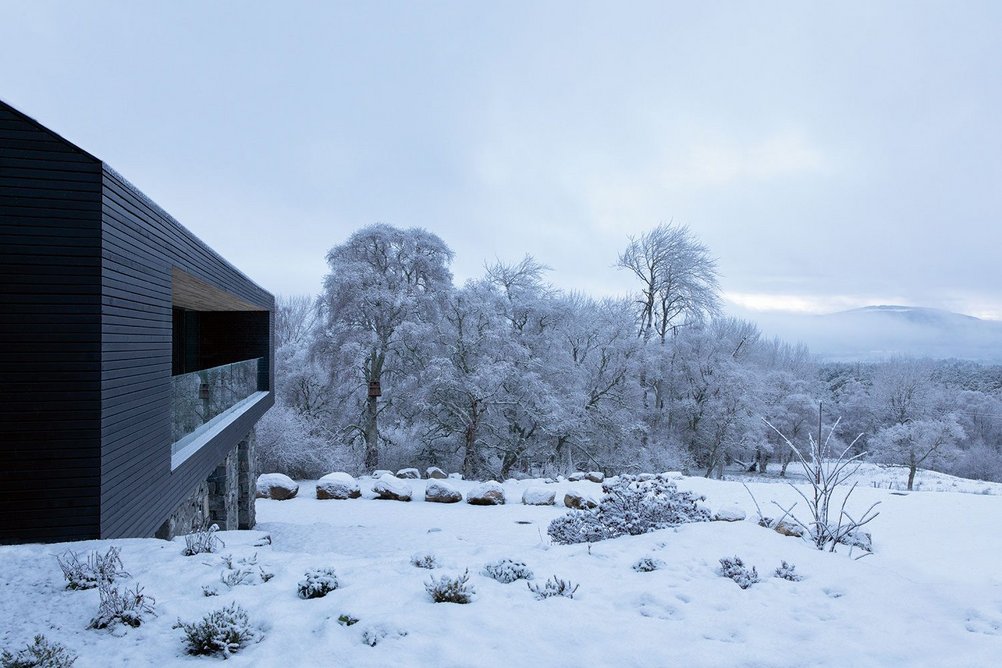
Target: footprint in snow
978	623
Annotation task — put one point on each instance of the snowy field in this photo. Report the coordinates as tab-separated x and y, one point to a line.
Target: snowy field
930	595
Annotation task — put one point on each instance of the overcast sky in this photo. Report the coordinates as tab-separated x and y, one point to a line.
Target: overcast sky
830	155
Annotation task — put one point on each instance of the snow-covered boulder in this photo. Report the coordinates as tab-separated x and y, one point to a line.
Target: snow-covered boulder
435	473
595	476
391	489
789	529
379	473
578	501
338	485
438	491
644	477
409	474
455	476
488	493
577	476
277	486
729	514
538	496
858	538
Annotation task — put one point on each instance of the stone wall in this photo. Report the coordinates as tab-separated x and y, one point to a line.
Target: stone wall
226	498
191	515
224	493
247	481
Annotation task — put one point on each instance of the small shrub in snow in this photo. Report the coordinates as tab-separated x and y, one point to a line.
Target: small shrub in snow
451	589
630	506
827	524
244	571
736	570
202	541
578	526
346	620
788	572
224	631
506	571
237	577
317	583
648	564
121	606
372	635
554	587
424	560
96	569
39	654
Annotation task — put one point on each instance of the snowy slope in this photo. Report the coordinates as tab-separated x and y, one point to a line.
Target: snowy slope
931	595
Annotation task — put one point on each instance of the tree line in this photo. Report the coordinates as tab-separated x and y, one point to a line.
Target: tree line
393	365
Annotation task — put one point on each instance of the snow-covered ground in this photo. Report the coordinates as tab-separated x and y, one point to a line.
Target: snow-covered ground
930	595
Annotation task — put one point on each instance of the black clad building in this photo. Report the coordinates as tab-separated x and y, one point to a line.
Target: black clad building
134	360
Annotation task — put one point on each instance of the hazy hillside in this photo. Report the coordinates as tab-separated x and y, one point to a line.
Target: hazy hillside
880	332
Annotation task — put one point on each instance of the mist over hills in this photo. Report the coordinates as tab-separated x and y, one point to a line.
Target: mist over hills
880	332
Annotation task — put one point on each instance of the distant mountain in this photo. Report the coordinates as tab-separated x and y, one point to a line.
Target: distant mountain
879	332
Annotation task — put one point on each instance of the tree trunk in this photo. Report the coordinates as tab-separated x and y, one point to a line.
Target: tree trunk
471	458
373	374
762	459
911	471
371	435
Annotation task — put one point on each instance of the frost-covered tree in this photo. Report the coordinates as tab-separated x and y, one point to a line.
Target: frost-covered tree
915	443
592	369
716	410
385	290
466	381
678	279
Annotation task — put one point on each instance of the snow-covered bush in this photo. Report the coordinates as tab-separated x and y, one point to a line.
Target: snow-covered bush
424	560
42	653
224	631
788	572
289	442
96	569
506	571
121	606
451	589
373	634
317	583
203	540
629	506
244	571
648	564
736	570
554	587
635	507
828	471
578	526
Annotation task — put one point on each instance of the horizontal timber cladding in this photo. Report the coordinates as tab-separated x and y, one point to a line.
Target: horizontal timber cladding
143	252
50	335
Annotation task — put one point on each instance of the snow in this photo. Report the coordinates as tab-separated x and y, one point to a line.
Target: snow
730	513
930	595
